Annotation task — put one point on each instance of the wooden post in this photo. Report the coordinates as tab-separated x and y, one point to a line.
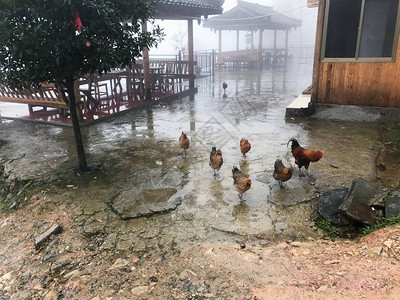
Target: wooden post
190	54
317	53
237	40
219	41
252	39
146	67
286	45
260	48
129	83
274	60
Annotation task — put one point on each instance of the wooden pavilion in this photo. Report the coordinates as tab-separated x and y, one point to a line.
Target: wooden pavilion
251	17
124	88
186	10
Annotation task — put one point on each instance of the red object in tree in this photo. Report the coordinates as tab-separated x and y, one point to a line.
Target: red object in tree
77	22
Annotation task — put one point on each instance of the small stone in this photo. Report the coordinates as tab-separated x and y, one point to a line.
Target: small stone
209	251
331	262
153	279
52	295
14	205
120	263
73	274
262	242
241	244
6	277
140	290
323	288
295	244
184	275
381	167
188	216
388	243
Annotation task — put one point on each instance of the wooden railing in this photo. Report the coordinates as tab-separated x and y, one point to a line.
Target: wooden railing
123	83
45	95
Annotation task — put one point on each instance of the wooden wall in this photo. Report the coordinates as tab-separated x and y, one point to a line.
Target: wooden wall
355	83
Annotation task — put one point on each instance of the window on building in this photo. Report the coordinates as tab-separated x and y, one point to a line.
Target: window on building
360	29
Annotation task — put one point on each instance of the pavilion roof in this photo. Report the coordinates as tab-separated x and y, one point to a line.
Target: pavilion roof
184	9
251	16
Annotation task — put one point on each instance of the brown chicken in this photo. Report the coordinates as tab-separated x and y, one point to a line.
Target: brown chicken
245	147
302	156
281	173
216	160
240	181
184	142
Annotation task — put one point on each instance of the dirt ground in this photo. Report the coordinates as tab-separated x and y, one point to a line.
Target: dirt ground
66	268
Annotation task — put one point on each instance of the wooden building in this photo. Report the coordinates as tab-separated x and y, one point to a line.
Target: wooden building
254	19
182	10
357	53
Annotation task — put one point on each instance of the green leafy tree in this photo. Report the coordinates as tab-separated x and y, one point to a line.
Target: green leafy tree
59	41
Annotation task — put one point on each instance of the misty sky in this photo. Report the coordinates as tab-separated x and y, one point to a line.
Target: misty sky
205	39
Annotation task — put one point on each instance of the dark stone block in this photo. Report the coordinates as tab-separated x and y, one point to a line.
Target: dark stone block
328	207
392	205
361	196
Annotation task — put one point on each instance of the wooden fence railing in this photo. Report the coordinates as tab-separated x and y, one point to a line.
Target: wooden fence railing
113	85
46	96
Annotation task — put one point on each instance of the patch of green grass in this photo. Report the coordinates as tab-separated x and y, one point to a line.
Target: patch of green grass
327	227
382	224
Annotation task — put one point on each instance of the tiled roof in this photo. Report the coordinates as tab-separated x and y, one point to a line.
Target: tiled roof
252	16
208	4
187	8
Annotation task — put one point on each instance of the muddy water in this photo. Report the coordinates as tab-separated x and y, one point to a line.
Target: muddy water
140	158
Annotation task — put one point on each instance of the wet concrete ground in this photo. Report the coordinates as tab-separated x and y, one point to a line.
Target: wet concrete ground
138	157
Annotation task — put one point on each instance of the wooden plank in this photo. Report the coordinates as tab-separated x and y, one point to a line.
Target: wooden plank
56	104
40	239
312	3
317	53
190	53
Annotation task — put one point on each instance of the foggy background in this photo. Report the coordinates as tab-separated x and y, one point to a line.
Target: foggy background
207	39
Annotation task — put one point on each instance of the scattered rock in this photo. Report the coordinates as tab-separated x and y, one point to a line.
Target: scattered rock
153	279
331	262
14	205
52	295
73	274
185	274
188	216
241	244
139	290
119	263
392	204
381	167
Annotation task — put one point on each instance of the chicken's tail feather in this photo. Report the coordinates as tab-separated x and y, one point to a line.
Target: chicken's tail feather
295	143
234	170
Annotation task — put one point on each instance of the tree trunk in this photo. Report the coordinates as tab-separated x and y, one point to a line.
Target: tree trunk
75	124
